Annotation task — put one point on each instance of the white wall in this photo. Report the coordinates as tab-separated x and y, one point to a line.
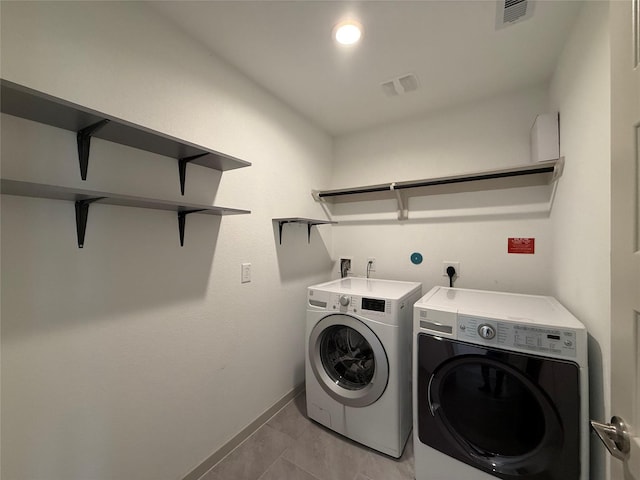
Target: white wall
470	228
133	357
580	90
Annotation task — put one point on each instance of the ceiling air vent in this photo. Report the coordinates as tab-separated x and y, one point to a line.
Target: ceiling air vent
509	12
389	88
400	85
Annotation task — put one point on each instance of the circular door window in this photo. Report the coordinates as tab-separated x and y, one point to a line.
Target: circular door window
348	360
496	414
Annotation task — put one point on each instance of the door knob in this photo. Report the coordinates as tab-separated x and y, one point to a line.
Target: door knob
614	435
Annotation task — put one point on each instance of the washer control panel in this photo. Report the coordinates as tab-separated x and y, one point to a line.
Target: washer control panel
356	304
523	336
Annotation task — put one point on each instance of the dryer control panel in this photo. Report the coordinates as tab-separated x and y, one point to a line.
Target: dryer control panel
521	336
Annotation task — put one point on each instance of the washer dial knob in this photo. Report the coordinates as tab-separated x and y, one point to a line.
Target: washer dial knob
344	300
486	331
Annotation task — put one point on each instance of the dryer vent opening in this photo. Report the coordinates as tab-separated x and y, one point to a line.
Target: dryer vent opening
345	267
509	12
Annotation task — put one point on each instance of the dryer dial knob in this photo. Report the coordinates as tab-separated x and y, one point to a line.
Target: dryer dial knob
486	331
344	300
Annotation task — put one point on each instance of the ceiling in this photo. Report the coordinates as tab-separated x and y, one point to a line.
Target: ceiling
453	47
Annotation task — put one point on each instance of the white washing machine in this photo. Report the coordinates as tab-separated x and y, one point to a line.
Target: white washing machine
500	388
358	359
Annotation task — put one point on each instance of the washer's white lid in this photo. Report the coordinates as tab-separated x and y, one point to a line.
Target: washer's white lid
373	287
516	307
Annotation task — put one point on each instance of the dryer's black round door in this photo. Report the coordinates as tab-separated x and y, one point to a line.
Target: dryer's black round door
496	414
348	360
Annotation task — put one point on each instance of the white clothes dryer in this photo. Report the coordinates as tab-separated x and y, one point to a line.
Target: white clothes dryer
500	388
358	359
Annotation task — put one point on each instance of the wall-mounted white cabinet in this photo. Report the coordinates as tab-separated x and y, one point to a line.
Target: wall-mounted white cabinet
545	137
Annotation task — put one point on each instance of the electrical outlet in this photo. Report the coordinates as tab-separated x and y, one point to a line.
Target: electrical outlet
246	273
446	264
371	264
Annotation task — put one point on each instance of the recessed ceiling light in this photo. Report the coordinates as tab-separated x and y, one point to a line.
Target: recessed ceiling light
347	33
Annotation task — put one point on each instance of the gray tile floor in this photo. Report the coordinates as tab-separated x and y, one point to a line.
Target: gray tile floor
292	447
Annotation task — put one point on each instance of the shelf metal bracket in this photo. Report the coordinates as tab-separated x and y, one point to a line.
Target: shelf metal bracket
182	167
403	208
182	216
309	222
558	168
84	145
309	225
82	213
280	224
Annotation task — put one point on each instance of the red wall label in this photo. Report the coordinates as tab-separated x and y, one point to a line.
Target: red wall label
521	245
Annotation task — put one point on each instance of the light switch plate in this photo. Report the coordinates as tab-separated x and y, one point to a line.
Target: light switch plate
246	273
